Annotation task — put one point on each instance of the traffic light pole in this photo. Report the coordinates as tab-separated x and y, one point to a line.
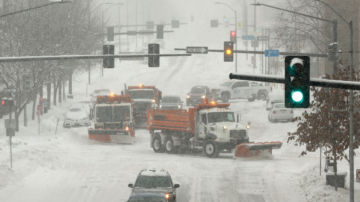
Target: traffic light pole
236	44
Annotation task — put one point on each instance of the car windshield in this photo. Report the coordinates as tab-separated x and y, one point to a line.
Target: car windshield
170	100
221	117
228	83
150	182
279	106
142	94
197	91
147	199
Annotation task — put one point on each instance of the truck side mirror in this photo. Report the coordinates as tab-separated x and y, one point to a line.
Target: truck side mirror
122	92
131	185
238	118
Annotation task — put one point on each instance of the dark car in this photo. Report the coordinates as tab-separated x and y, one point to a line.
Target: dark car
154	181
197	94
170	102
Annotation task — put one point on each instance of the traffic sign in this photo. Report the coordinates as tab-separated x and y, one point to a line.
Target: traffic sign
357	175
37	113
200	50
9	123
271	53
41	100
39	107
255	44
239	25
262	38
248	37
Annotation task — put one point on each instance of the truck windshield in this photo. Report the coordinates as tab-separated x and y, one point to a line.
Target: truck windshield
119	113
170	100
198	90
142	94
152	182
228	83
104	114
221	117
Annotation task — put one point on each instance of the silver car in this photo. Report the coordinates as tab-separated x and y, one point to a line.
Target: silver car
170	102
278	112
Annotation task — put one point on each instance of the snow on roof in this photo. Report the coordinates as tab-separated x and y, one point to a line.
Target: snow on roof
154	172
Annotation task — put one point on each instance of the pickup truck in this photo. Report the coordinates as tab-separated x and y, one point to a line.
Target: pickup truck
239	89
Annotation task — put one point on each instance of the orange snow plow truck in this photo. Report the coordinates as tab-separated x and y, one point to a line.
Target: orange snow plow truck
210	127
113	120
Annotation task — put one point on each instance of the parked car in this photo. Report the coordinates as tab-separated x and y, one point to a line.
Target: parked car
170	102
98	92
151	181
273	98
279	112
76	116
88	107
197	94
238	89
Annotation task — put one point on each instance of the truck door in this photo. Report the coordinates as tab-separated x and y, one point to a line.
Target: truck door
203	126
245	89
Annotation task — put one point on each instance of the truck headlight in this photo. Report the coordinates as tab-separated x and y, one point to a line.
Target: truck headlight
153	101
203	96
179	106
248	126
224	127
160	106
188	96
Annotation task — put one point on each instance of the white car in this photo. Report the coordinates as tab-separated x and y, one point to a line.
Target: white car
76	116
88	107
98	92
273	98
279	112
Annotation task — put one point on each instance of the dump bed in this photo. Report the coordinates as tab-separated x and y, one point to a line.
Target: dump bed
177	120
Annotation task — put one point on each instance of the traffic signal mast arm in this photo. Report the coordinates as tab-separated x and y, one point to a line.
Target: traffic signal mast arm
350	85
263	52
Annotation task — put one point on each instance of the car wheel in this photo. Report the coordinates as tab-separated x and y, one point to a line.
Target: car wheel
169	145
157	147
251	99
224	97
210	149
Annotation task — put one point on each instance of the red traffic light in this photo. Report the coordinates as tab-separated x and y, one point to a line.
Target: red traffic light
232	33
3	102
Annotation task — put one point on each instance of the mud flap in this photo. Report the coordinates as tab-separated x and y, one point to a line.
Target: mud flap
262	149
112	135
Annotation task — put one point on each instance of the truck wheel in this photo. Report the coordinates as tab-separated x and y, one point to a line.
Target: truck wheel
251	99
157	147
210	149
224	97
262	96
169	145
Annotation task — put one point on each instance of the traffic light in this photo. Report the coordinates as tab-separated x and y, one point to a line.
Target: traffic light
27	82
332	49
175	24
297	81
160	31
150	25
7	102
108	62
233	36
154	61
214	23
110	33
228	51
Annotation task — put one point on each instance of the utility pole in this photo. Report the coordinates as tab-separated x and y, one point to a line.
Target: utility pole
119	31
254	65
127	21
136	23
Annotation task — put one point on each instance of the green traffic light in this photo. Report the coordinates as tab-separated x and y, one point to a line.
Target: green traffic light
297	96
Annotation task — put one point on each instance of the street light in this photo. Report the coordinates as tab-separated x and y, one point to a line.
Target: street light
235	33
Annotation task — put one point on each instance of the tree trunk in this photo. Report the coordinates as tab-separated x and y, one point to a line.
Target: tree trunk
41	91
60	91
63	89
70	82
55	93
17	114
335	166
34	105
48	88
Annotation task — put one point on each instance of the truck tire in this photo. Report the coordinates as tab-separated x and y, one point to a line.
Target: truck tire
210	149
262	95
225	97
169	145
157	147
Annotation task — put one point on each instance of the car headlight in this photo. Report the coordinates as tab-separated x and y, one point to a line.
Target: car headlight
160	106
248	126
188	96
224	128
179	106
203	96
153	101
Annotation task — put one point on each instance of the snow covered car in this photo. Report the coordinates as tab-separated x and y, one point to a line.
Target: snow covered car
170	102
76	116
88	107
279	112
154	181
273	98
98	92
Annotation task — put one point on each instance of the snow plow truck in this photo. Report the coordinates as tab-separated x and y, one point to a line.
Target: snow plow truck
144	97
113	120
210	127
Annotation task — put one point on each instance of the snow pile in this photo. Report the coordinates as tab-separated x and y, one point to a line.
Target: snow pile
316	189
